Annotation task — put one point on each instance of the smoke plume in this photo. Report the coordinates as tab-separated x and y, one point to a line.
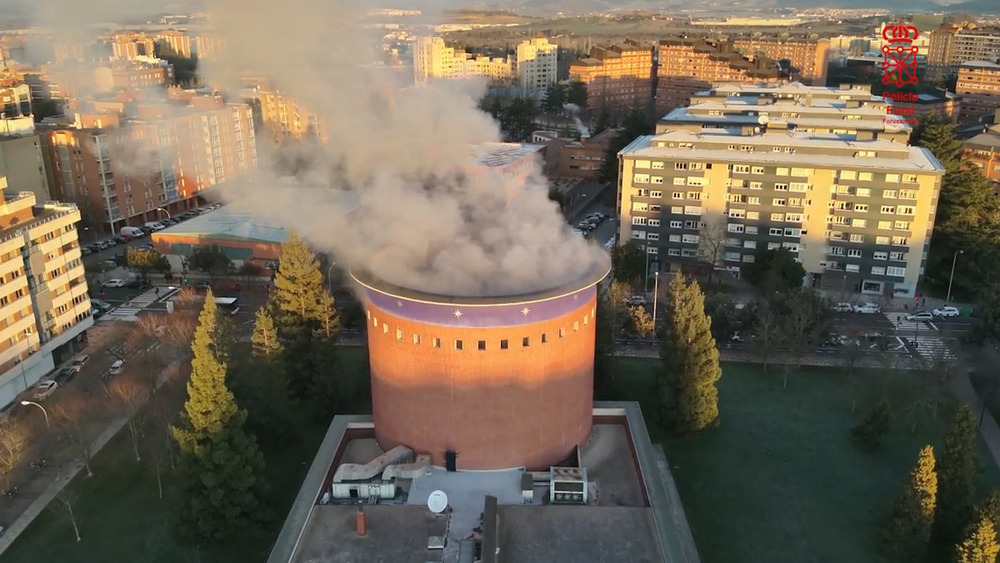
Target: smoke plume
419	217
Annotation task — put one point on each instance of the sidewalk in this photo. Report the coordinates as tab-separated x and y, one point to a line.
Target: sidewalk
64	478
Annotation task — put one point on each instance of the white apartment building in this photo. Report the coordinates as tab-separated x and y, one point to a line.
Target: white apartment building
432	59
855	205
537	61
44	302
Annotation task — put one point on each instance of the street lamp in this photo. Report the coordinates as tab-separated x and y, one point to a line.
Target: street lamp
163	210
951	278
329	275
656	287
26	403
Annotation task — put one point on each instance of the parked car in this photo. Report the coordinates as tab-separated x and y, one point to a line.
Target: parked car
843	307
114	283
65	374
45	388
79	362
867	308
636	300
920	316
96	313
946	312
100	304
116	368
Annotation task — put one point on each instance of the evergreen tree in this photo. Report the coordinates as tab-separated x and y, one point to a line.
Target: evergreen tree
297	299
220	466
875	425
956	477
689	397
990	507
939	137
980	545
908	526
265	336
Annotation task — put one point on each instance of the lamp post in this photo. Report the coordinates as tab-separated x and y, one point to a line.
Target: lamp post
26	403
329	276
163	210
951	278
656	288
645	279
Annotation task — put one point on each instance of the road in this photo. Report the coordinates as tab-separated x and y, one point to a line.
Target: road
609	227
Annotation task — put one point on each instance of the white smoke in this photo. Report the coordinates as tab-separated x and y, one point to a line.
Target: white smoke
574	111
422	220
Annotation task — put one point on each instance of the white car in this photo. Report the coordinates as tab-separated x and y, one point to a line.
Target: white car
114	283
45	388
946	312
843	307
867	308
78	363
920	316
116	368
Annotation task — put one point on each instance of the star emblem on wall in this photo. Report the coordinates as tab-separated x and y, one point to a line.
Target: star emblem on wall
575	295
399	303
457	313
525	311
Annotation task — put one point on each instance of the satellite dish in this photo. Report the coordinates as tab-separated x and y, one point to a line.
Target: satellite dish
762	120
437	502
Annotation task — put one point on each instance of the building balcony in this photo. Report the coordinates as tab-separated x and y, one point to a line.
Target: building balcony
11	266
9	330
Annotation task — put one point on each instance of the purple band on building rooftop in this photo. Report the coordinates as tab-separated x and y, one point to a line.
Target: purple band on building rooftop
481	315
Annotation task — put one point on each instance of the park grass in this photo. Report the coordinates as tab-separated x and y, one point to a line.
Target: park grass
779	480
122	518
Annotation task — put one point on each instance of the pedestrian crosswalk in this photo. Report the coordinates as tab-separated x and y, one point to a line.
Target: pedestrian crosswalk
130	311
924	336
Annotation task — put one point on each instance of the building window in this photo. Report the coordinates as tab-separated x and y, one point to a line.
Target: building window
503	344
482	344
385	328
545	338
895	271
399	334
436	342
458	344
526	341
375	322
416	339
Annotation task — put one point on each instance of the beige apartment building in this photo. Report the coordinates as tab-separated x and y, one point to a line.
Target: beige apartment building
807	56
132	46
979	86
952	45
121	162
43	297
280	115
433	60
857	210
618	77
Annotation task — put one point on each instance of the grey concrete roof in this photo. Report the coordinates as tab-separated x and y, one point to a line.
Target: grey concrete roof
396	534
577	534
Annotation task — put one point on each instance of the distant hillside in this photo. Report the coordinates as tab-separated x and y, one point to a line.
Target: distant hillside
575	7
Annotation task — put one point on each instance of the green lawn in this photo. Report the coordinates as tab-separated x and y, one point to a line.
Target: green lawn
779	480
122	518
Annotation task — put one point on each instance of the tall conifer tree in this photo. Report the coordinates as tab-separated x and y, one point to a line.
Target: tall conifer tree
689	397
909	523
220	466
980	545
956	477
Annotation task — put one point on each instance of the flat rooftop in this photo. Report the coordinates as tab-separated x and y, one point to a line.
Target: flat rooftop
633	512
500	155
790	88
905	158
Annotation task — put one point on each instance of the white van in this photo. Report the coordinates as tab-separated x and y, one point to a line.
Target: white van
116	368
155	226
134	232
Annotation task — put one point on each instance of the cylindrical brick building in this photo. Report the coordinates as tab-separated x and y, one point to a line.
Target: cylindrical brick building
501	382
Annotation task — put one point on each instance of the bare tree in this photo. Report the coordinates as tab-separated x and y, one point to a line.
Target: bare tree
72	420
766	334
711	240
130	394
66	499
16	443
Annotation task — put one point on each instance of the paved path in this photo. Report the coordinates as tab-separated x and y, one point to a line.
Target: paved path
64	478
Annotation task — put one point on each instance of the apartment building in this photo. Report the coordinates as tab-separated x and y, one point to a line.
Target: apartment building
952	45
178	41
281	115
747	110
433	60
43	297
807	56
618	77
857	212
122	161
536	61
145	72
983	150
979	86
688	66
574	158
132	46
